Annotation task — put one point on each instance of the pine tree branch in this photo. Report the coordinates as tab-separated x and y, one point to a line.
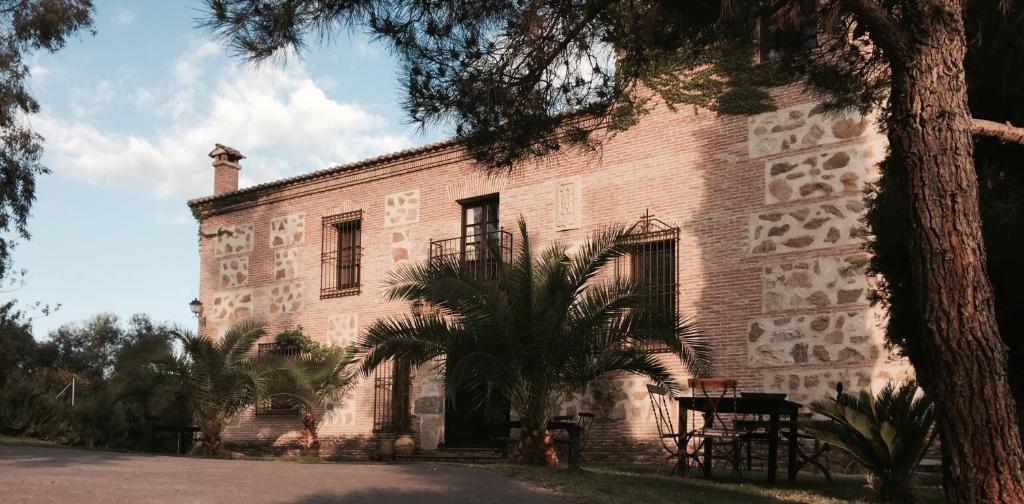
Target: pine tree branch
1004	132
880	26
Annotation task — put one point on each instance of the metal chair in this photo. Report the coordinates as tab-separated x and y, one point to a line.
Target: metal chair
585	421
670	439
562	437
715	429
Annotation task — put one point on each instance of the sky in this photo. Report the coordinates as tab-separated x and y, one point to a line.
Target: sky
129	116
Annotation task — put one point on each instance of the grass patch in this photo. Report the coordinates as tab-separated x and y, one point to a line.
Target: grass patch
27	441
606	484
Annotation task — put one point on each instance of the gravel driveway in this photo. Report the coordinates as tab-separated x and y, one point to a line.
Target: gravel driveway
36	475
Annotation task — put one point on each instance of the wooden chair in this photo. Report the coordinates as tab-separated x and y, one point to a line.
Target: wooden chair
719	393
671	440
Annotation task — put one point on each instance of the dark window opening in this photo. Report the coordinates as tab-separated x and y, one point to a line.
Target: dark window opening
779	37
341	255
479	227
652	264
277	406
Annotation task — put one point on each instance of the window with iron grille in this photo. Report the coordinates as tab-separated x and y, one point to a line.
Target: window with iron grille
276	406
652	264
341	255
383	383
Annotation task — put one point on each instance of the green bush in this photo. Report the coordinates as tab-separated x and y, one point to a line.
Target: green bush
295	338
887	434
28	409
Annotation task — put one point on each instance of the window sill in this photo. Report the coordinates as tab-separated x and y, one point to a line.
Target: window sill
336	293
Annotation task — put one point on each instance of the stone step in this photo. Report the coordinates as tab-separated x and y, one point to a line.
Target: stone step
465	455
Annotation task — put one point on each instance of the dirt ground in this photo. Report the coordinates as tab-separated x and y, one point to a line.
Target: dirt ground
39	475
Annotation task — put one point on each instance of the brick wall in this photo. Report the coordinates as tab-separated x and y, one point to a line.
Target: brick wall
768	211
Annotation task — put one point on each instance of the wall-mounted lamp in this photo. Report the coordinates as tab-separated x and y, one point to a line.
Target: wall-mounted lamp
196	307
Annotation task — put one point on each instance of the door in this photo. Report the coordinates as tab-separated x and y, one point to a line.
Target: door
479	234
477	418
479	415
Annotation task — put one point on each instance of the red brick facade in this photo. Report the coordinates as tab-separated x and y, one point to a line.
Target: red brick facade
769	252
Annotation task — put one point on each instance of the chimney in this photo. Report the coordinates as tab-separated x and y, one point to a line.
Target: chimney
225	168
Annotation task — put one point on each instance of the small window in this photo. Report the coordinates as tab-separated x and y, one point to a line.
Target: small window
277	406
341	255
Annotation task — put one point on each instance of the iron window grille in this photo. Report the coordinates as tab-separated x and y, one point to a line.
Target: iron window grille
341	255
383	377
652	264
277	406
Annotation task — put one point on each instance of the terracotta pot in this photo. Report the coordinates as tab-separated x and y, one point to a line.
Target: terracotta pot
405	446
386	449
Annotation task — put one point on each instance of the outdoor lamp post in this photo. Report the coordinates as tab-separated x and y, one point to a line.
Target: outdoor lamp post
196	307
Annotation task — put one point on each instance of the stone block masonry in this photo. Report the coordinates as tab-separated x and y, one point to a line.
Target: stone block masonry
769	255
816	328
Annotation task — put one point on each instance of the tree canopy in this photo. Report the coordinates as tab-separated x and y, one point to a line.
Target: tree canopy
26	26
525	78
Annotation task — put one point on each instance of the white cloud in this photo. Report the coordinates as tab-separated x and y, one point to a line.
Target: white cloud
125	17
278	117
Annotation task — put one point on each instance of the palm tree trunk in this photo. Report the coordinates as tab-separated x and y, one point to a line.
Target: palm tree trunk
211	443
893	489
534	447
310	436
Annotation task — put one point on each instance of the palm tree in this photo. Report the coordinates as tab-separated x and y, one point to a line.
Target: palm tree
219	379
539	329
887	434
321	372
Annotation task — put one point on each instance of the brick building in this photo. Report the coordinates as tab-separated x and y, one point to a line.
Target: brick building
762	214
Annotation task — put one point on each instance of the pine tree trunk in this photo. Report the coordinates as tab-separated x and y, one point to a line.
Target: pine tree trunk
310	441
961	360
534	447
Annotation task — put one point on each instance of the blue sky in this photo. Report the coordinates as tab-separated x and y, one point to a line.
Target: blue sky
129	115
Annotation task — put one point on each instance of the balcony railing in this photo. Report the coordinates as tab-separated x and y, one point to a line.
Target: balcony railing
478	253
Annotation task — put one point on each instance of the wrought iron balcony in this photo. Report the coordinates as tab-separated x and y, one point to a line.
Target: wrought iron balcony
478	253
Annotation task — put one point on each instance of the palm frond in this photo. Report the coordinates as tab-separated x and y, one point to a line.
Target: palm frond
536	332
887	433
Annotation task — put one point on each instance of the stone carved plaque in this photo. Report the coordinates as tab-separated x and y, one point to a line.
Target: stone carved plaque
567	204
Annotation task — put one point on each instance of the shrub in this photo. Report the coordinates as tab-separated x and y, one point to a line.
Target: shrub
886	433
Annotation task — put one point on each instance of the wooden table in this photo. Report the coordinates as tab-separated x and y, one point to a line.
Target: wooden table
574	431
773	406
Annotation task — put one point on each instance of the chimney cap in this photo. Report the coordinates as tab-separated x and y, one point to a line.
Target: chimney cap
229	153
